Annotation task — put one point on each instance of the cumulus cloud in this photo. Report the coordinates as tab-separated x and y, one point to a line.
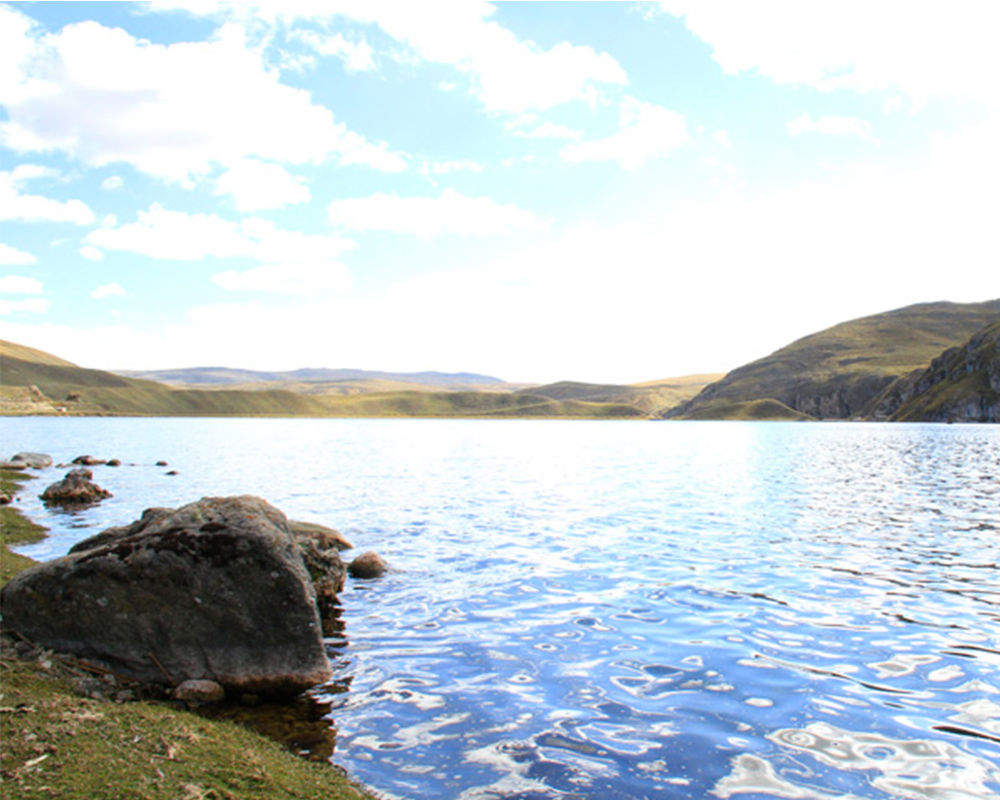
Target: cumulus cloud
256	185
831	126
14	257
91	253
178	109
177	235
15	204
448	213
356	55
506	73
112	182
107	290
646	131
921	49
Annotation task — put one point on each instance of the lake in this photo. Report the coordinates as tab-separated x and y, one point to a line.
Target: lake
622	609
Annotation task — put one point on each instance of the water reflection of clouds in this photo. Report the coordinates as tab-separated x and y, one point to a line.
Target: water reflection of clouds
921	769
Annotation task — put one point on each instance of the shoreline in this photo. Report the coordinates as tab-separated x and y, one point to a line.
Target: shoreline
53	738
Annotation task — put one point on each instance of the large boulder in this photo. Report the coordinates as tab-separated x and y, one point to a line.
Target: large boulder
76	488
215	590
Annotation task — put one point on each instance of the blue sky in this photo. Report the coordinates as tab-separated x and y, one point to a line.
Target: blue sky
609	192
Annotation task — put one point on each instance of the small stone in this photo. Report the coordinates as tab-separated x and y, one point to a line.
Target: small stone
199	691
161	463
88	461
172	472
114	462
367	565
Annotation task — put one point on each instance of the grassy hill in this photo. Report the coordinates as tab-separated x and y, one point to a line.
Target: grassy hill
647	397
45	384
839	373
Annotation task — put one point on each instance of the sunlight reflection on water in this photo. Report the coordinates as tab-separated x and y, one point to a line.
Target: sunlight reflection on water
625	610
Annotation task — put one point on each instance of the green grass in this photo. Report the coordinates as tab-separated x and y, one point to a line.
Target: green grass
56	744
14	528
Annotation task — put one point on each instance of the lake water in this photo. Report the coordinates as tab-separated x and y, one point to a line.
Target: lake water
612	610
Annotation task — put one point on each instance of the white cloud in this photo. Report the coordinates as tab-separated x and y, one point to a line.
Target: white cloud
16	205
357	56
102	96
176	235
920	49
722	138
13	256
646	131
507	74
33	306
112	182
295	279
831	125
91	253
108	290
448	213
18	284
256	184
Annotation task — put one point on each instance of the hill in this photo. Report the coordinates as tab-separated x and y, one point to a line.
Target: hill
960	385
45	384
224	376
840	372
648	397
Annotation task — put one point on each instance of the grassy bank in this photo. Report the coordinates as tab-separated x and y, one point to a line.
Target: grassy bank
54	743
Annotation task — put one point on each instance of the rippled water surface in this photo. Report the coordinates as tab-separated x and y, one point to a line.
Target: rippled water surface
624	609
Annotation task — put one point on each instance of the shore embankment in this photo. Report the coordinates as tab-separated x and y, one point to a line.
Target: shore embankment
58	741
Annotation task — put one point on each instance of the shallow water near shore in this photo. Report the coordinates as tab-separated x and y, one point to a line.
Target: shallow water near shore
622	609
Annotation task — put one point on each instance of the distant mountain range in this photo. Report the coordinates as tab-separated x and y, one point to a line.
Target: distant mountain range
224	376
925	362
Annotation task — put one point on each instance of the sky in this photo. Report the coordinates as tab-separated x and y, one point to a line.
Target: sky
605	192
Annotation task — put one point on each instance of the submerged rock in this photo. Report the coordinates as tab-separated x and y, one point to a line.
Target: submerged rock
76	488
367	565
31	460
216	590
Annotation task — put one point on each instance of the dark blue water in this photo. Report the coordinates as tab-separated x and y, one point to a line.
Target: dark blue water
625	609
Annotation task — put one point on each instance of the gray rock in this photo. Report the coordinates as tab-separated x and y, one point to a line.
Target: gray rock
32	460
367	565
76	488
323	536
215	590
200	692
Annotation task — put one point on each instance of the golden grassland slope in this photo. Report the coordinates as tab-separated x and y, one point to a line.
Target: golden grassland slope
52	385
838	373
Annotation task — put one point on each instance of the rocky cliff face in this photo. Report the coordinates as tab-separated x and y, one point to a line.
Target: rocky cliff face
866	368
960	385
